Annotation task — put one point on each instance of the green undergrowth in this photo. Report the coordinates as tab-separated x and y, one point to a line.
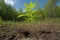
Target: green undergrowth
18	24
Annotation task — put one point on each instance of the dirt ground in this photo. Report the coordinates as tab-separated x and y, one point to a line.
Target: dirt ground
30	32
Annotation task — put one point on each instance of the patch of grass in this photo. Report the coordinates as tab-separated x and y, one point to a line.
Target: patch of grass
20	24
1	21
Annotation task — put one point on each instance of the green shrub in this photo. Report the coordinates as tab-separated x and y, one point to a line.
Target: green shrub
29	12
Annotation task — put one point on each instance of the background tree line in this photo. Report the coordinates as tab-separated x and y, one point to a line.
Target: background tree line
9	13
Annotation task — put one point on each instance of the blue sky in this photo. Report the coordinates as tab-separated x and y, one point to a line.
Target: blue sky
20	3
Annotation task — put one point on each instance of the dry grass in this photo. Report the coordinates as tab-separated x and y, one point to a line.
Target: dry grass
42	30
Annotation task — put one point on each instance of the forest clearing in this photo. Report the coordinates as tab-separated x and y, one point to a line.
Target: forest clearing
29	20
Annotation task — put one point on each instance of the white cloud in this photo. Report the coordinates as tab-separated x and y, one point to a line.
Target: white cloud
9	2
24	10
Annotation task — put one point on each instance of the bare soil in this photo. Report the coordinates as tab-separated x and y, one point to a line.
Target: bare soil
31	32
